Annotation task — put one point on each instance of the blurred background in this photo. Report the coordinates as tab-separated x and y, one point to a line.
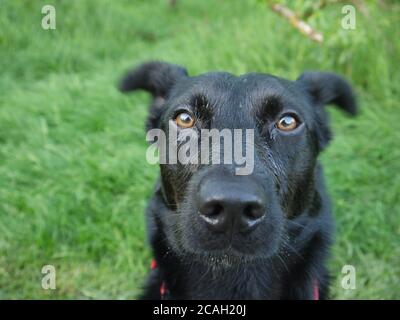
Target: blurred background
74	181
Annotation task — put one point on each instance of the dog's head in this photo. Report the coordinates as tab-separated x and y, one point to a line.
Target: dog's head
213	210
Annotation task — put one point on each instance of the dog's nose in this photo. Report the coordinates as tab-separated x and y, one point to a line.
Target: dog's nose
231	206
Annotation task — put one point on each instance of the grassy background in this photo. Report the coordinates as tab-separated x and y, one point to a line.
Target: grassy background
73	177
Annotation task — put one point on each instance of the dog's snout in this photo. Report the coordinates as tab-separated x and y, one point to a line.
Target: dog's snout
231	206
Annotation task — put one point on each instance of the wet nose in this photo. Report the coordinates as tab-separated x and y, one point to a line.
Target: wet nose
231	205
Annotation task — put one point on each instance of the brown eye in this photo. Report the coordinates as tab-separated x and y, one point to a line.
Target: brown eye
287	123
184	120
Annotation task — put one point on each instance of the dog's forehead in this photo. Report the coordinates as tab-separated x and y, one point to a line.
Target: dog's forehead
207	84
245	82
246	89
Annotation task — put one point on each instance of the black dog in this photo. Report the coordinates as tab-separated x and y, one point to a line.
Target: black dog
217	235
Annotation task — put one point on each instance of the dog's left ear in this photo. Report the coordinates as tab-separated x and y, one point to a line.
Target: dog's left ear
324	88
157	78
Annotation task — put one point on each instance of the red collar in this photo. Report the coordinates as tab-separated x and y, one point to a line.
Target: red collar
163	287
315	289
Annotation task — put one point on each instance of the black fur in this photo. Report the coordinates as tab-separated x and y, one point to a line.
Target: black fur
284	255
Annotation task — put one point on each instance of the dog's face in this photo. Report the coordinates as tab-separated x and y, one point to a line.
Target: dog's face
214	212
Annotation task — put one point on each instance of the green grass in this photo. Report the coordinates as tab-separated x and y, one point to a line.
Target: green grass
73	177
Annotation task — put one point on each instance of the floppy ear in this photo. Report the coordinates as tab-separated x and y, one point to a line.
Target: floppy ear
325	88
156	78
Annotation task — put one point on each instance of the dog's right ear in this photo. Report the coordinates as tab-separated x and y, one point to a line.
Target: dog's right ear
157	78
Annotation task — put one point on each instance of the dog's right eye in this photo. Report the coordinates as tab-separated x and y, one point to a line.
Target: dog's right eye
287	123
184	120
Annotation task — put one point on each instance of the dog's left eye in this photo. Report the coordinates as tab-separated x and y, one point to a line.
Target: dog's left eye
184	120
287	123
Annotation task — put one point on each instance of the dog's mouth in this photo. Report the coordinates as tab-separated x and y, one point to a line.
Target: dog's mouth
224	258
196	242
225	254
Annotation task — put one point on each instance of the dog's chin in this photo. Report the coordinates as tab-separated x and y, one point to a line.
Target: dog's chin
222	258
